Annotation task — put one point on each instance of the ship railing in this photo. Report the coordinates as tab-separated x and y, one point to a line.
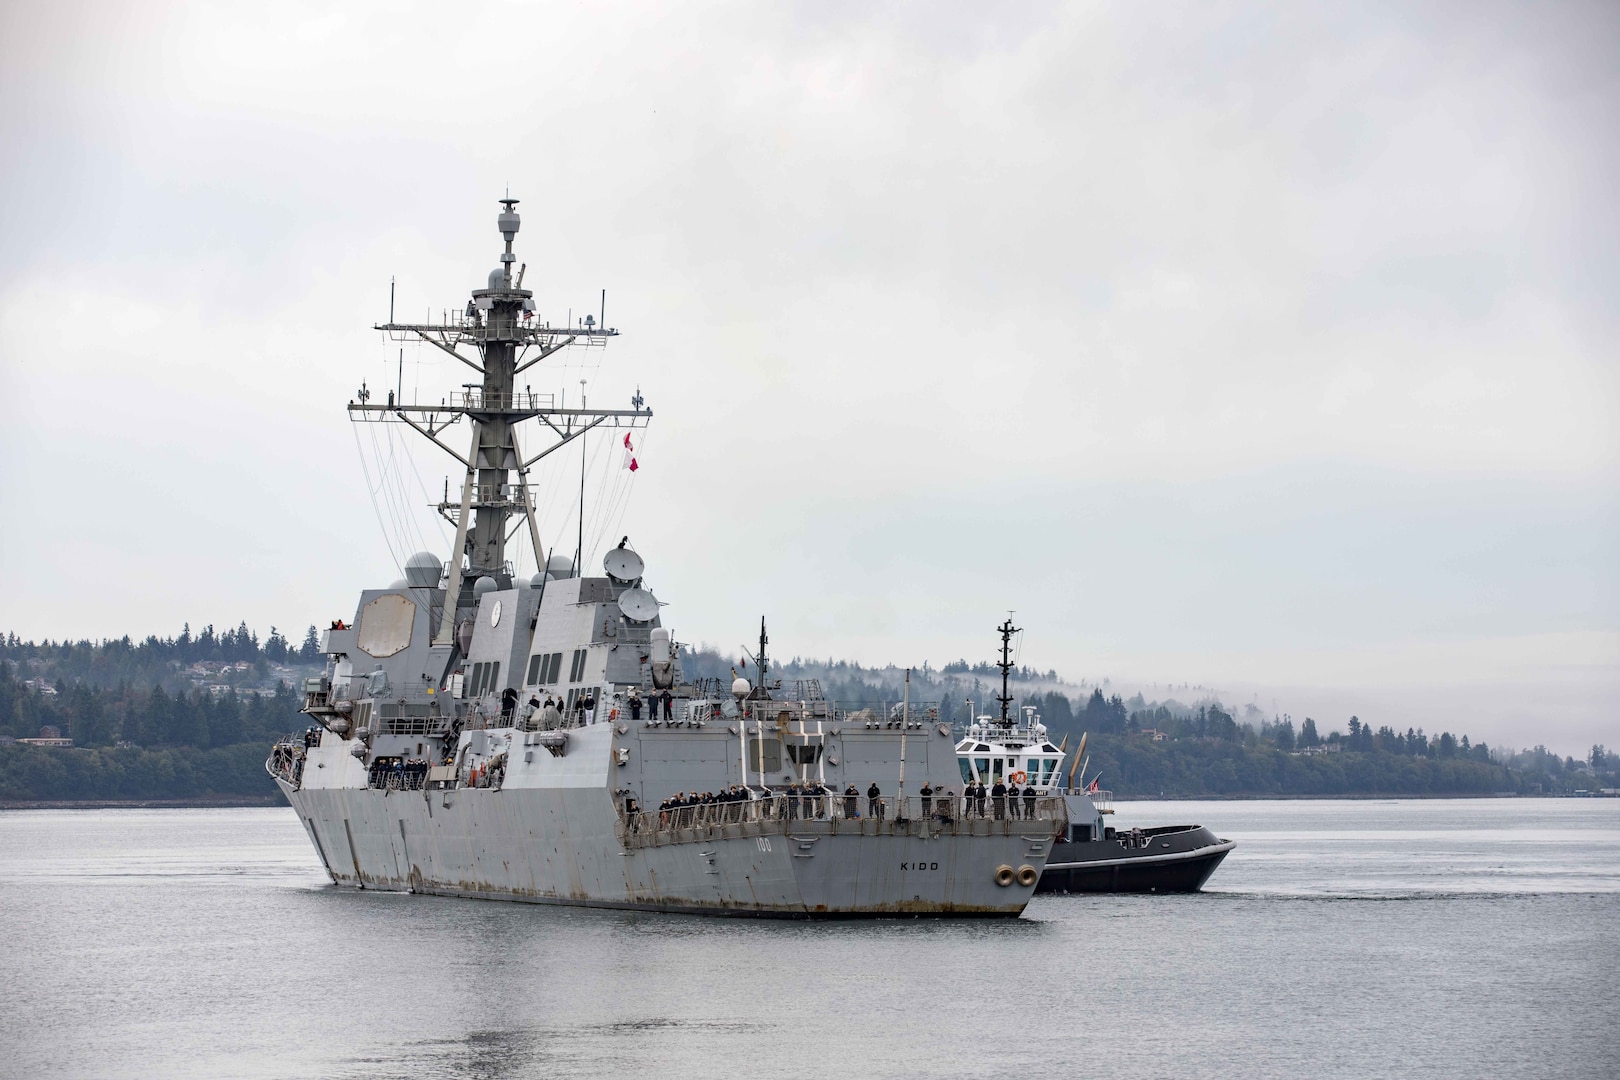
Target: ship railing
398	775
412	725
890	714
1102	799
942	807
782	811
286	760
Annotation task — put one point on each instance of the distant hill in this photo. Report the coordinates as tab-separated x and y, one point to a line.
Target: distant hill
191	717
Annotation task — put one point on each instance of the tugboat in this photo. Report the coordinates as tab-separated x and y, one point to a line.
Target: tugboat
481	732
1002	751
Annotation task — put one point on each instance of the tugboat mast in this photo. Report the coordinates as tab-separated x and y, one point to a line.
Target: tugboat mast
1005	664
763	640
501	326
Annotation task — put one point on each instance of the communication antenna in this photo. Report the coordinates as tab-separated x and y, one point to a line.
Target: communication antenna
638	605
623	565
761	661
497	339
1007	630
579	548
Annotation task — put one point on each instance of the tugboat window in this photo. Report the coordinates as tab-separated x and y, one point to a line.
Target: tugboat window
967	770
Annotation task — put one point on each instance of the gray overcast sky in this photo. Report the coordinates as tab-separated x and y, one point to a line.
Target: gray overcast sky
1264	348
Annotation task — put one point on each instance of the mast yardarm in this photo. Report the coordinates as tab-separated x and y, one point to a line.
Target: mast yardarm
499	335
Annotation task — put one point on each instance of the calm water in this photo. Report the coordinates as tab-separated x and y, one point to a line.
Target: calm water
1456	939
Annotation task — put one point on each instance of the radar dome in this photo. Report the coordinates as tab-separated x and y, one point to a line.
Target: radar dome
539	580
400	583
422	570
740	687
560	566
485	585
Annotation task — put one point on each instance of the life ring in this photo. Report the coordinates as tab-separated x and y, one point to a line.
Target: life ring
1028	875
1005	875
1018	777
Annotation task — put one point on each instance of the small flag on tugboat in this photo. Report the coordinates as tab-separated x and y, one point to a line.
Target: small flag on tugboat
1093	788
630	454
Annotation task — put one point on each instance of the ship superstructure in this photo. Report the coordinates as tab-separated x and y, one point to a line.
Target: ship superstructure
1009	764
479	733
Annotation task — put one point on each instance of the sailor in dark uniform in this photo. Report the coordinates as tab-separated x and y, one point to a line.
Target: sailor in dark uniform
998	799
927	794
874	801
1012	800
852	802
1029	800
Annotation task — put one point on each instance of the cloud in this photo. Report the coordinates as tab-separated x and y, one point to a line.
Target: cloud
933	291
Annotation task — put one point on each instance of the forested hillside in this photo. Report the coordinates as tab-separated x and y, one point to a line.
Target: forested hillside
191	717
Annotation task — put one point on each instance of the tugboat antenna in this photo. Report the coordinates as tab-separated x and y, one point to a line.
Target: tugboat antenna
761	660
1005	664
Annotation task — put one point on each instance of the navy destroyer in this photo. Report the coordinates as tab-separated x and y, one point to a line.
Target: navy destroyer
483	733
1008	764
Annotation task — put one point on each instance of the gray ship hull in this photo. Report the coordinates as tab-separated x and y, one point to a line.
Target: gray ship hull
567	843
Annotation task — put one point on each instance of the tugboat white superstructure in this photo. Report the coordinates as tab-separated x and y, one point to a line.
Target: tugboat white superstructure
479	734
1008	765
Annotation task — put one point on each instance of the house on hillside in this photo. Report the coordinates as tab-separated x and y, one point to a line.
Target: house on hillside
48	736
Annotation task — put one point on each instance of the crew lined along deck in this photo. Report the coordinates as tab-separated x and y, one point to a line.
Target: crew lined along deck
834	813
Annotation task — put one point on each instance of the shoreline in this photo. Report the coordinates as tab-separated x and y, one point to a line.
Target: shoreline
195	803
226	802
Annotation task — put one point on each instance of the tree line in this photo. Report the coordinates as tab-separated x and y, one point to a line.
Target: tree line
158	737
155	659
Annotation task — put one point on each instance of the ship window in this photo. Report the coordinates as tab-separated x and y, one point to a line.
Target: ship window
554	669
477	680
494	675
804	755
983	765
967	770
773	754
1046	770
534	669
576	667
982	747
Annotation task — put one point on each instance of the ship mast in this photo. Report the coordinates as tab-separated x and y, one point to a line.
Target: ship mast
498	336
1006	665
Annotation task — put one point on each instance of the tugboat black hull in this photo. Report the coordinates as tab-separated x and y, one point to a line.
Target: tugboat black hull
1176	859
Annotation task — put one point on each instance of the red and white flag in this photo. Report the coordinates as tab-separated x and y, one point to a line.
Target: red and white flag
630	454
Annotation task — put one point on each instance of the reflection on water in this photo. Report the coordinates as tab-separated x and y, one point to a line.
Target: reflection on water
1461	938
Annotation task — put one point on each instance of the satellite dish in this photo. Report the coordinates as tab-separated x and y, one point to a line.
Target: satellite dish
623	565
638	605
